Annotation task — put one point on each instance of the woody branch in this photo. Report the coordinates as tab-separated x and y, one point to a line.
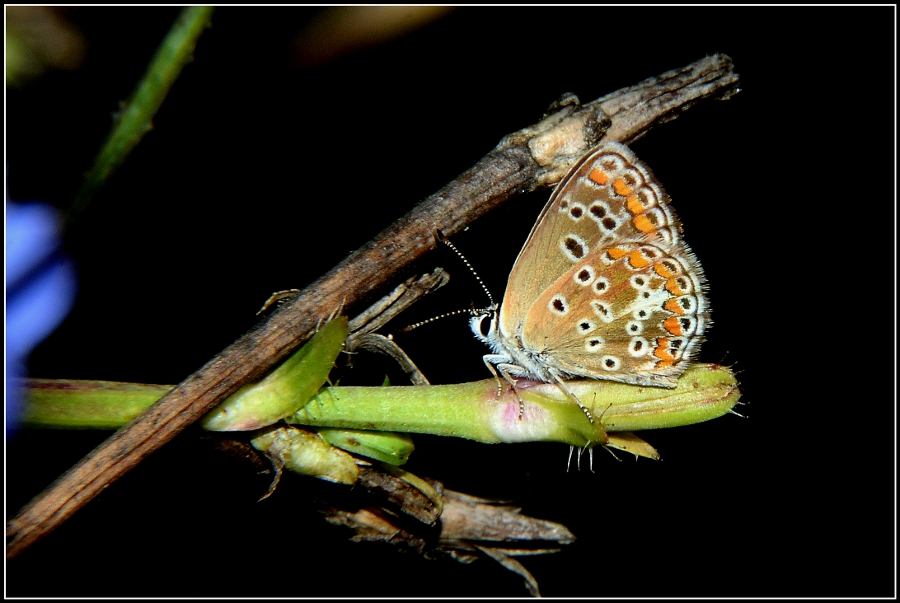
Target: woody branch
534	157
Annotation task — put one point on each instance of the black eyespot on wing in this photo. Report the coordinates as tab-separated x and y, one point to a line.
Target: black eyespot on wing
575	247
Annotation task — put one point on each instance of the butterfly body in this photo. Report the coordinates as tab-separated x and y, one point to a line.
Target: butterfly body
604	287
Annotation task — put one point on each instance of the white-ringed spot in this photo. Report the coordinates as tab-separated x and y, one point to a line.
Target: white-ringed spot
647	197
576	211
585	326
607	224
601	285
602	310
666	235
650	251
573	247
593	344
584	276
639	281
610	363
634	327
680	326
558	305
638	347
633	178
610	162
688	303
642	313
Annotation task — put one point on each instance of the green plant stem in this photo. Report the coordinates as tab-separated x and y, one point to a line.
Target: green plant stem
470	410
136	118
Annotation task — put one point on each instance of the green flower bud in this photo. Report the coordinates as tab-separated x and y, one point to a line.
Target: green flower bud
286	389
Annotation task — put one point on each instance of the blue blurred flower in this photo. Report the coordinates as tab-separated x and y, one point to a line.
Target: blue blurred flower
40	289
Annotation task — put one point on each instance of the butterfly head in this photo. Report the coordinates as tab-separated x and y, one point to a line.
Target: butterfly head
477	319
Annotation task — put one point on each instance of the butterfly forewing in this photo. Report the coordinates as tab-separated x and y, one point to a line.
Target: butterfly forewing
607	197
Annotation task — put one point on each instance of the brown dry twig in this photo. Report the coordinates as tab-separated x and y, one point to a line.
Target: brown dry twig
534	157
466	526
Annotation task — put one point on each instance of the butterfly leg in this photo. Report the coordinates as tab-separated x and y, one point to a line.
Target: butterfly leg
500	362
562	385
278	297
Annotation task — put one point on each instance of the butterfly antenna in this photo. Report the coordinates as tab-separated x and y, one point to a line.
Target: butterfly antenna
471	312
446	241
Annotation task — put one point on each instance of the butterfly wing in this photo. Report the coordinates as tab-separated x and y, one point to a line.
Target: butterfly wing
608	197
632	312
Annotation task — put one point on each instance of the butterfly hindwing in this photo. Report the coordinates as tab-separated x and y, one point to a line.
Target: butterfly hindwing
633	313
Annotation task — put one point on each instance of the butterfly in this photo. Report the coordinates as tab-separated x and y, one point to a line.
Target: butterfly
604	287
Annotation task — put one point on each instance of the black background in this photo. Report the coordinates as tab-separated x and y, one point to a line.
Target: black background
260	176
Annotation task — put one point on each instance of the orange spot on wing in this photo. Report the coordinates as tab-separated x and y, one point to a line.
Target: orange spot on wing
637	260
622	189
673	326
616	253
634	206
673	306
663	271
673	288
662	352
644	224
598	176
